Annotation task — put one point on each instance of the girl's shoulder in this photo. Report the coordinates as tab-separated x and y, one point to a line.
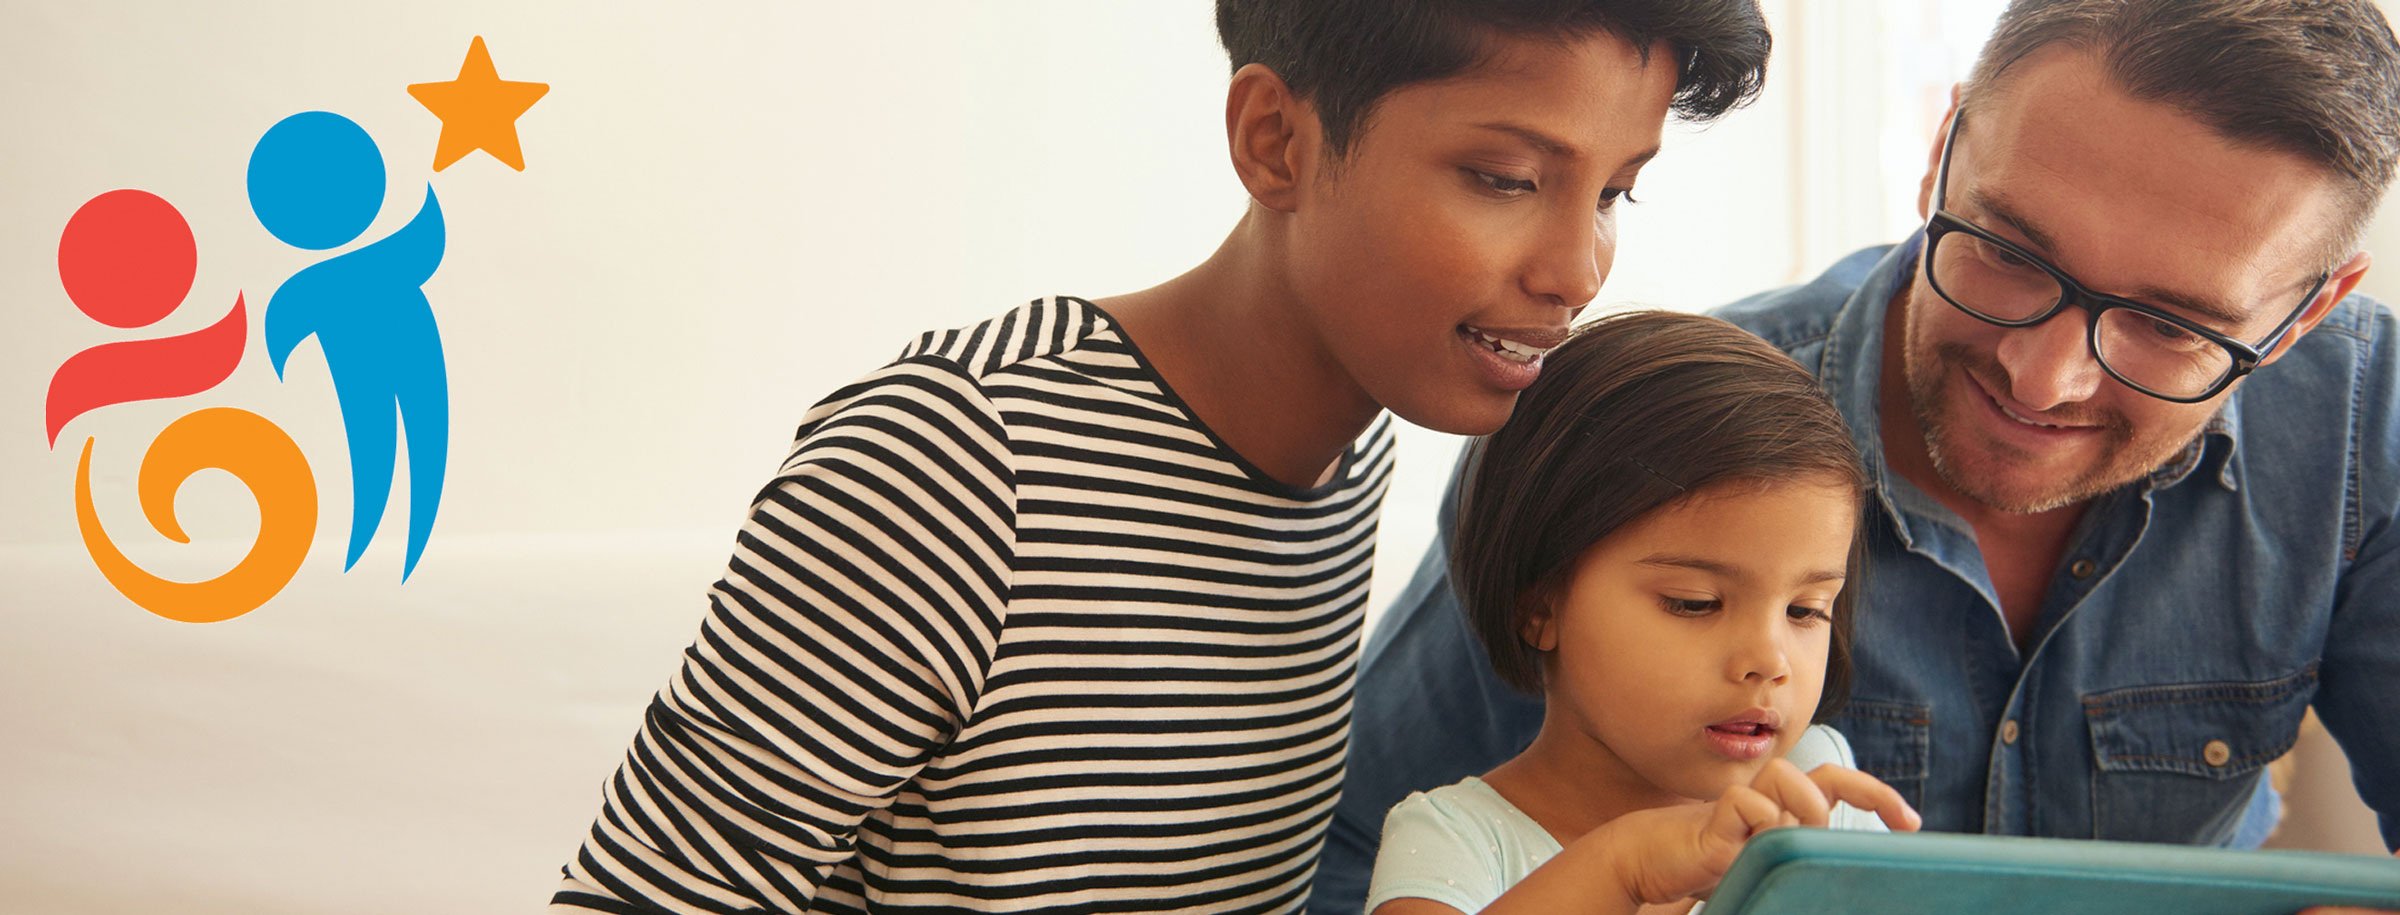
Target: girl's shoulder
1819	745
1468	811
1460	845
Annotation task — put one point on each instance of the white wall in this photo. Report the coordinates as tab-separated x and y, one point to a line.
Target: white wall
727	211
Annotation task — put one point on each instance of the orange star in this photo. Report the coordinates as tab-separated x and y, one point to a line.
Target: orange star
479	110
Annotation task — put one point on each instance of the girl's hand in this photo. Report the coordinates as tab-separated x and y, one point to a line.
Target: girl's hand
1668	853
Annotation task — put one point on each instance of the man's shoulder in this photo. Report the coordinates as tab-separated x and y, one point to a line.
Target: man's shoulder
2335	394
1792	317
2359	321
2349	360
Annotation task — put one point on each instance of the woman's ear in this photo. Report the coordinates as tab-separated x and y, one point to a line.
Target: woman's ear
1269	132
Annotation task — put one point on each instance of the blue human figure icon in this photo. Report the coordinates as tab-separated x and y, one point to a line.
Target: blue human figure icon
316	182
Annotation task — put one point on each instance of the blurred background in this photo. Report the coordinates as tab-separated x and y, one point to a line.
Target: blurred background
727	210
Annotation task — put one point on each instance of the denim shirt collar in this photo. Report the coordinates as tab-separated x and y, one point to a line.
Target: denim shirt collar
1851	372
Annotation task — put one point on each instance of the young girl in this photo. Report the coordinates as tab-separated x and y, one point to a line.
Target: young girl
1661	543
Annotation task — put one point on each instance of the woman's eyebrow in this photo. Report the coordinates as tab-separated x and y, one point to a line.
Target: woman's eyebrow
1553	146
1541	142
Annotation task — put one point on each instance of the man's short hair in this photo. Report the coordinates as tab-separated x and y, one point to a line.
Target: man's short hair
1343	56
2316	78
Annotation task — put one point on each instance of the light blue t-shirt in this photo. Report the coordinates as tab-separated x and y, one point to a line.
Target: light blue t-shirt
1463	845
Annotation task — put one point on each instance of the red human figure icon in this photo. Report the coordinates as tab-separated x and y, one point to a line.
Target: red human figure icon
127	259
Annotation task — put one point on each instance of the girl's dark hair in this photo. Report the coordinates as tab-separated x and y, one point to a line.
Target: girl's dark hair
1345	55
1635	412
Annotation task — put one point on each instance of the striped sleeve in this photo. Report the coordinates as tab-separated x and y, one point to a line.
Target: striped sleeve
847	642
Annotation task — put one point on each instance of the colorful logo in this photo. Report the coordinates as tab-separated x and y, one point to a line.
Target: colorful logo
127	259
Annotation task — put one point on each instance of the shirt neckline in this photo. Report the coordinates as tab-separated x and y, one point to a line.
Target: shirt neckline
1344	471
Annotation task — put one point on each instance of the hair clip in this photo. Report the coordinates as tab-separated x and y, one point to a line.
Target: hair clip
1637	462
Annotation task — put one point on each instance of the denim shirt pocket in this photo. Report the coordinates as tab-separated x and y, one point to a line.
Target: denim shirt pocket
1892	741
2178	763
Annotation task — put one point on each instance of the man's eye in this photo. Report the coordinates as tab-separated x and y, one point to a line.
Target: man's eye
2004	258
2168	331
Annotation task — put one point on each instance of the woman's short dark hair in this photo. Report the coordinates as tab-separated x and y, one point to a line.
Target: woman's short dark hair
1635	412
1345	55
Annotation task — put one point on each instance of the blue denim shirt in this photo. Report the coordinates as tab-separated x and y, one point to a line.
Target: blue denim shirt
2195	616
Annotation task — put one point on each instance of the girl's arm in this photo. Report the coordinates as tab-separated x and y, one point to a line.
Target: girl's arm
1661	855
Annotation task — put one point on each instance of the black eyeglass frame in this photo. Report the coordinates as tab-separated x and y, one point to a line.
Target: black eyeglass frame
2246	357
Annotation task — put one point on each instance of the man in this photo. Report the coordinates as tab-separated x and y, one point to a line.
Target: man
2136	449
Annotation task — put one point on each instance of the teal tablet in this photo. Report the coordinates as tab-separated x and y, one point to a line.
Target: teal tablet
1821	870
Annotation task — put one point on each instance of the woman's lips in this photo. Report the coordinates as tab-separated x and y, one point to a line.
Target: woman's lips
1509	363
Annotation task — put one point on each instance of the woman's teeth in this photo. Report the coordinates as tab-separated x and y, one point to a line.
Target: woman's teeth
1510	350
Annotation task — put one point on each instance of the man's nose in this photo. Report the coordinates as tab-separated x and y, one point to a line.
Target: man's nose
2051	363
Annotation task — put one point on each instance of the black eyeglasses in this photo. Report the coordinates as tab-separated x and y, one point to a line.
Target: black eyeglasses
2152	351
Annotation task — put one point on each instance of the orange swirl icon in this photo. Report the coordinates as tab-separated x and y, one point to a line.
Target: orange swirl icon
256	452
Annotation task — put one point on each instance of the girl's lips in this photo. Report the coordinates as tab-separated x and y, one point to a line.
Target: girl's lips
1748	735
1734	744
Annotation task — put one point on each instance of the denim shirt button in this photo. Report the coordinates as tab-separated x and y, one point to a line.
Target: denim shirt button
2082	568
2008	732
2216	753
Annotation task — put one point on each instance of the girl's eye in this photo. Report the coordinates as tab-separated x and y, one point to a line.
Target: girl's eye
1609	197
1807	616
1502	185
1682	607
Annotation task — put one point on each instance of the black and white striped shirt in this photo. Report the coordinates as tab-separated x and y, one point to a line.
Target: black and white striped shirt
1010	631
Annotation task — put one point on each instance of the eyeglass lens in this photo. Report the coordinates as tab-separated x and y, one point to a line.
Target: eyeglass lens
2149	353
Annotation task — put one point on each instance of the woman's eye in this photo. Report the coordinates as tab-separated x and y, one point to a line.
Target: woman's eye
1807	615
1502	184
1683	607
1609	197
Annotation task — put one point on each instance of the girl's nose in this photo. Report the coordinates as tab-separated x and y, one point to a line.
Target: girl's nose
1759	653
